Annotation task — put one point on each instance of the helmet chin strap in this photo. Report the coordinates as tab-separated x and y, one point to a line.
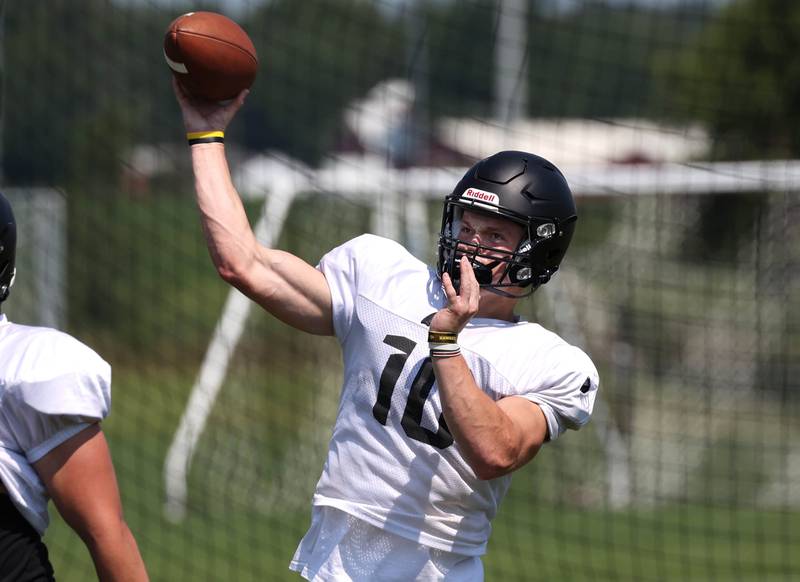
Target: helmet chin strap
502	293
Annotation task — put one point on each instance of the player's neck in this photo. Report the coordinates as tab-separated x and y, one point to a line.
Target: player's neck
496	307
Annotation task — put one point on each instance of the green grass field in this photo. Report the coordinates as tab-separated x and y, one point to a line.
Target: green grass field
242	526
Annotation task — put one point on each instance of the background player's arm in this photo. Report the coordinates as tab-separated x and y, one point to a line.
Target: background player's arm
79	477
494	437
283	284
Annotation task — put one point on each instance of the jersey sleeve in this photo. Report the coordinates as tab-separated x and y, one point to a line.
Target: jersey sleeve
343	268
566	392
70	390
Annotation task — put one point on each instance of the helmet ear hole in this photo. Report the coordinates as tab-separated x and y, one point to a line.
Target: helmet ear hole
520	275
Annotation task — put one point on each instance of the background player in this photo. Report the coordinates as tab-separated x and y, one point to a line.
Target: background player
54	391
446	392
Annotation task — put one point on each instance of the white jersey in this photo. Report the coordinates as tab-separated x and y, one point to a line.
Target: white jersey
391	460
51	387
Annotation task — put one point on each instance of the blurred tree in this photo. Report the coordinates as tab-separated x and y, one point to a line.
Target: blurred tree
741	76
315	57
596	60
86	81
83	82
78	88
462	37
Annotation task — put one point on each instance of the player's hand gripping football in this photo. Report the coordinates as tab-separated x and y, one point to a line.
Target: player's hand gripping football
202	115
462	305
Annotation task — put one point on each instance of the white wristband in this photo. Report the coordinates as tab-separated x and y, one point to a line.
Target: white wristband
439	351
444	347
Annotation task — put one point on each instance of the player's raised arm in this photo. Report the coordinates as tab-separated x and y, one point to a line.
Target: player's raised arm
283	284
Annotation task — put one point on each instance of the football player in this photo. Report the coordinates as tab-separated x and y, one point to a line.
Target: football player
446	391
54	391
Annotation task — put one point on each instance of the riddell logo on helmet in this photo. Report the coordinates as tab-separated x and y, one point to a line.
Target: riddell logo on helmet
481	195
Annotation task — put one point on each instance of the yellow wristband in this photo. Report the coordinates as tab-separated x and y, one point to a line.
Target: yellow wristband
442	337
196	137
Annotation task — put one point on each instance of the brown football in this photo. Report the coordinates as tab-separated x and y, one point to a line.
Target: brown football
211	56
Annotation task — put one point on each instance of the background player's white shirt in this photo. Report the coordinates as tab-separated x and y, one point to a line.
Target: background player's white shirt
51	387
391	460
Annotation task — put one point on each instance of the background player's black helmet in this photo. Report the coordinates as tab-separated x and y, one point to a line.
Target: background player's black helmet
522	187
8	247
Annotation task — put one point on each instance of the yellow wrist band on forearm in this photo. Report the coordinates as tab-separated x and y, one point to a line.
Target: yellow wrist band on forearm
443	344
442	337
196	137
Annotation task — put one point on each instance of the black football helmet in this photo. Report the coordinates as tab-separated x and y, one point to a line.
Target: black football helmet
521	187
8	247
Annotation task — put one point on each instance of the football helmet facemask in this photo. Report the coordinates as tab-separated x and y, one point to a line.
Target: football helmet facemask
521	187
8	247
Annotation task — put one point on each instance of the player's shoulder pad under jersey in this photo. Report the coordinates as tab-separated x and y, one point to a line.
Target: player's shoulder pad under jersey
582	381
543	366
50	352
365	256
365	265
373	248
55	373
